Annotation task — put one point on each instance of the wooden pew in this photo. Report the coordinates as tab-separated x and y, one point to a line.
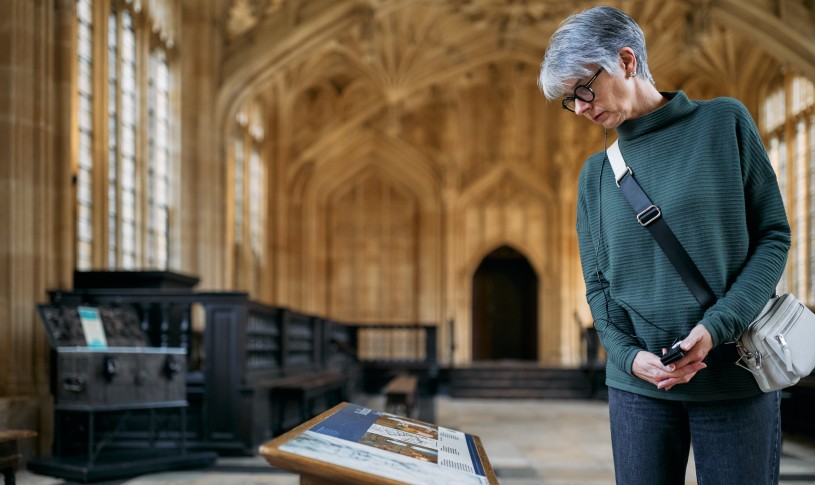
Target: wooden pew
304	390
401	392
311	381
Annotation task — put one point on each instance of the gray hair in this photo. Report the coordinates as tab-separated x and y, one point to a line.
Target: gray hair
591	38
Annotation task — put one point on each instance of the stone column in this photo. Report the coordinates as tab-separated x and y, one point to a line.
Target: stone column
203	161
35	249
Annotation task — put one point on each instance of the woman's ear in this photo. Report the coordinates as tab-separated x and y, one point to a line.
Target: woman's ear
629	61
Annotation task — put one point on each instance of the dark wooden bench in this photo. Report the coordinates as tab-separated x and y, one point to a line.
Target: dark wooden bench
401	393
304	389
9	455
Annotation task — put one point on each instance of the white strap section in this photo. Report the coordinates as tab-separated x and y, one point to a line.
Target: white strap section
617	161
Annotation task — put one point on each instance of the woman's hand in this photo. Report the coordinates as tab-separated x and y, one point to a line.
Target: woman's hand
696	346
648	367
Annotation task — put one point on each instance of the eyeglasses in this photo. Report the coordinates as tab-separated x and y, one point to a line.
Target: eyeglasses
582	92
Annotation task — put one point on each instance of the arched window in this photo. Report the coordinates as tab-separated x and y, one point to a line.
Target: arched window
126	159
788	125
249	201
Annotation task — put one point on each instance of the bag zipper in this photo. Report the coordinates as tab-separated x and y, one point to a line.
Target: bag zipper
787	356
788	322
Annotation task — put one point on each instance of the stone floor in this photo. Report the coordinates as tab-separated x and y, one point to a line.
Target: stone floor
558	442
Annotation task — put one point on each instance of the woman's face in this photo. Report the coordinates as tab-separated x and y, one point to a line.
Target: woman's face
613	100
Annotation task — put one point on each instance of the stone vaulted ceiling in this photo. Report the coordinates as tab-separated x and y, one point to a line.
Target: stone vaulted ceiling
403	65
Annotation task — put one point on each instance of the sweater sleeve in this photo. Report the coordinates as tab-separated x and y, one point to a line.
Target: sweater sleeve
611	321
769	234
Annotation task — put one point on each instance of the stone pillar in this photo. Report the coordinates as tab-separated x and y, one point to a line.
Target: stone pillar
35	249
203	163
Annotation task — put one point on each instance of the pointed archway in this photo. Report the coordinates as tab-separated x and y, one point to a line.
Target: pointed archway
505	307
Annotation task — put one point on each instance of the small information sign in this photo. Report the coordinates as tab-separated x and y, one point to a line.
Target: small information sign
92	327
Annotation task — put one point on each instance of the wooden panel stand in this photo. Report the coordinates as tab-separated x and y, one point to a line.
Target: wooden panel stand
314	471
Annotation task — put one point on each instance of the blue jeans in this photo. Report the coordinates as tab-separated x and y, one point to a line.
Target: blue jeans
735	442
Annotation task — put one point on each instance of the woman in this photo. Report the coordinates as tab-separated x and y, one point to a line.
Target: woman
704	165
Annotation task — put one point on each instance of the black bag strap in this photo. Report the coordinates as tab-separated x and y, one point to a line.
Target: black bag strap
649	216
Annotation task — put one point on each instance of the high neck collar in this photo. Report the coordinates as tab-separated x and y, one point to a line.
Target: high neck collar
678	106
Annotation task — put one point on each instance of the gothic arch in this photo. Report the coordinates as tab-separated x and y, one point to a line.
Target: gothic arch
403	161
255	64
491	246
505	301
408	174
495	175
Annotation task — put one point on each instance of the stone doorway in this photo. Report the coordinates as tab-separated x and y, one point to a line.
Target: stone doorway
505	308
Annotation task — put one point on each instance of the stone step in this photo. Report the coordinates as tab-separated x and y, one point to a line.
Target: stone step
518	393
523	380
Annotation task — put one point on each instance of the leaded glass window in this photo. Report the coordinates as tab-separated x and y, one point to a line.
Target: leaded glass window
249	200
158	180
787	122
124	221
84	172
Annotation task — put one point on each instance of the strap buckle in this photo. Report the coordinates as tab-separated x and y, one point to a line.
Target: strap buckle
649	215
618	180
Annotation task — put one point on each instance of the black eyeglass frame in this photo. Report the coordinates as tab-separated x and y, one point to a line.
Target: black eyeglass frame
568	102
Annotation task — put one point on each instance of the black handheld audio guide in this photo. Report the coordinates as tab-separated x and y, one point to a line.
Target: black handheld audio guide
674	353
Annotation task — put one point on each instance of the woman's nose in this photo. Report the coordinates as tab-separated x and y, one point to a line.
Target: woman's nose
580	106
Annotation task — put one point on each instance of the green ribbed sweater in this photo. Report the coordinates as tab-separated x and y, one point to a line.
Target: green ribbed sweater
703	163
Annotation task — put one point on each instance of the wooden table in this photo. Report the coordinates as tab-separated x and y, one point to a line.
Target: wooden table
9	455
314	471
